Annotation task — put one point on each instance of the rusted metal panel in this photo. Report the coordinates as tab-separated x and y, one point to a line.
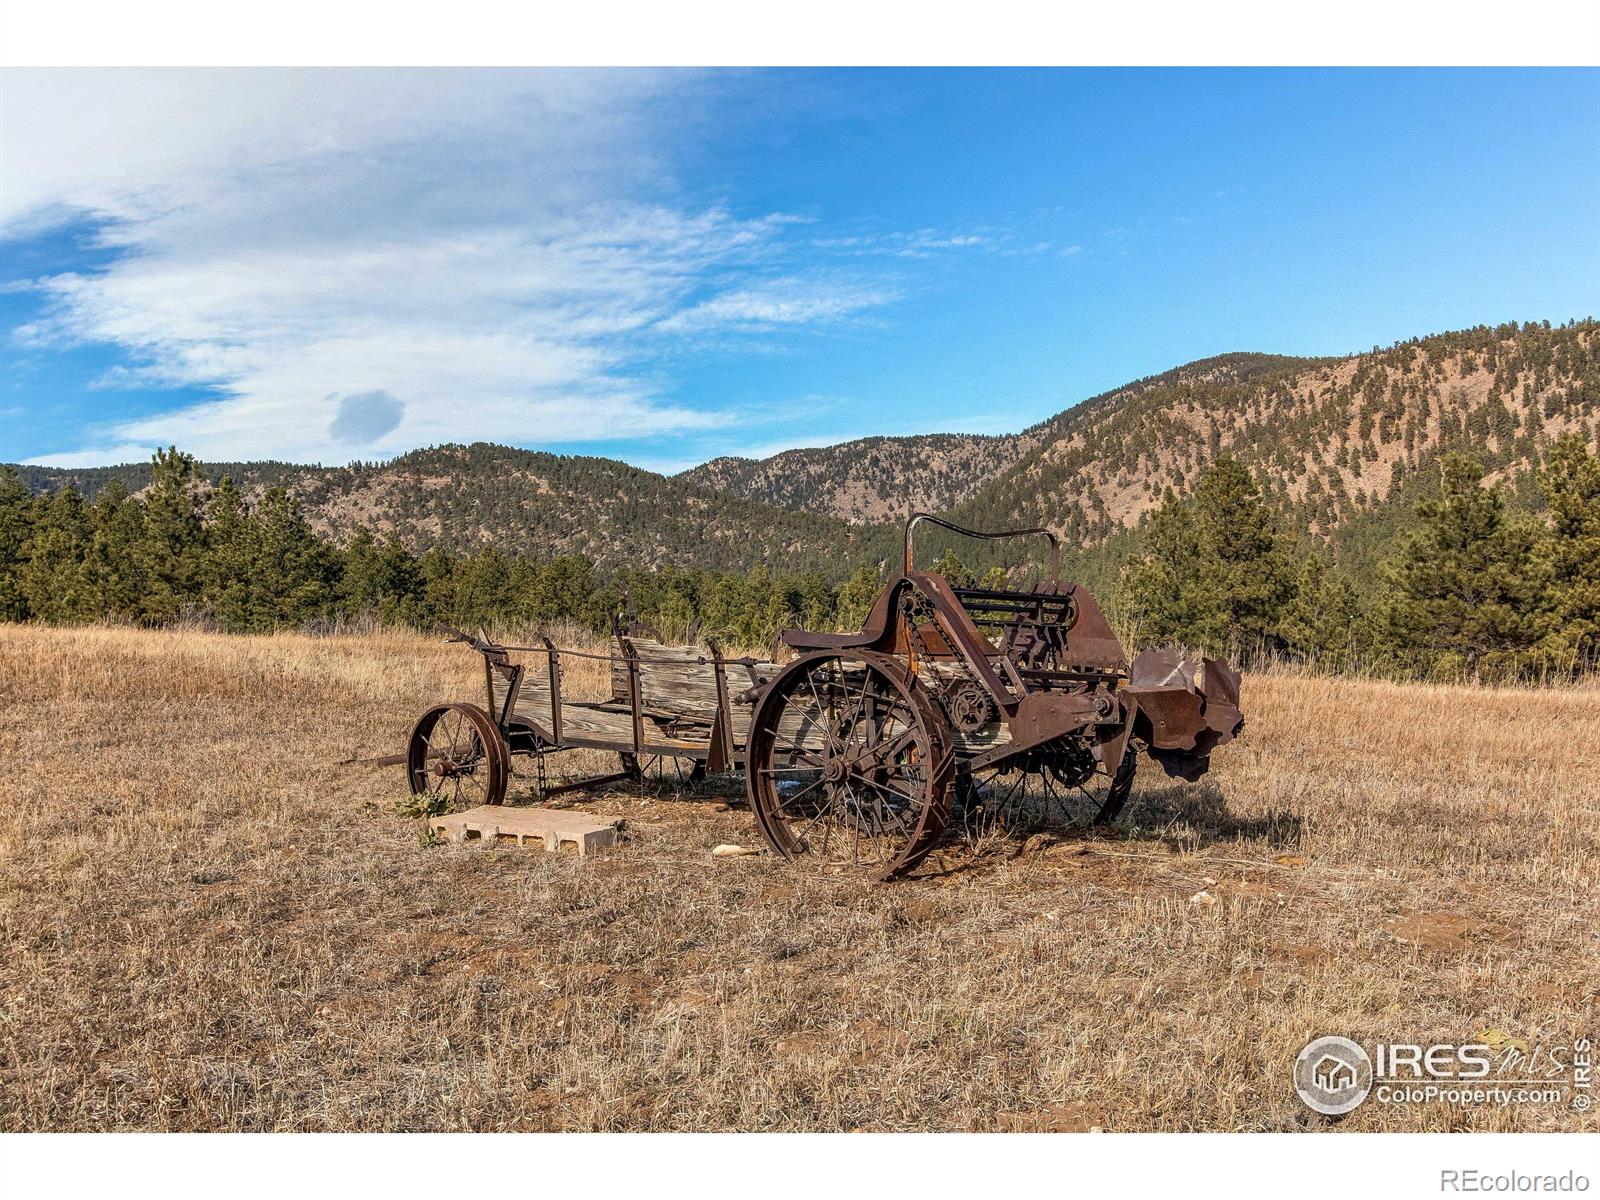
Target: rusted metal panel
1045	716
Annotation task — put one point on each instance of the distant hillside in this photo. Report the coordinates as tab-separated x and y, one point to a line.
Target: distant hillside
886	478
1333	441
1343	445
869	480
526	502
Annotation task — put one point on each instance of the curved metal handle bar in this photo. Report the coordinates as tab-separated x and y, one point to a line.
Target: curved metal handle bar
918	518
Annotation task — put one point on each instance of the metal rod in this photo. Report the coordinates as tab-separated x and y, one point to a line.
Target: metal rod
584	783
513	689
1039	530
724	723
646	659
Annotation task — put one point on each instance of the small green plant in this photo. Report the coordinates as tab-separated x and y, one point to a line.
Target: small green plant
417	806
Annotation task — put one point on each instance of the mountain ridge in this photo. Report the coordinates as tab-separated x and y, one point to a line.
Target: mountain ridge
1335	441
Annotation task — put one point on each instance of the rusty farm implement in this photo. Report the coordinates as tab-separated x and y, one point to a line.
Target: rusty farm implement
954	709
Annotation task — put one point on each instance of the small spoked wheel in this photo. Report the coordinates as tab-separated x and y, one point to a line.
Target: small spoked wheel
849	764
456	759
1059	787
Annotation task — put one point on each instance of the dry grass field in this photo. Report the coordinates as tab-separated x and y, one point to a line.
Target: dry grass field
206	924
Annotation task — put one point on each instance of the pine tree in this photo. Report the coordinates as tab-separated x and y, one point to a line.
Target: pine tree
361	580
438	585
674	608
1157	588
1571	486
767	609
295	576
856	597
956	573
812	600
566	589
482	591
117	524
16	520
1240	542
1212	572
170	558
54	581
1323	621
231	553
401	585
1462	593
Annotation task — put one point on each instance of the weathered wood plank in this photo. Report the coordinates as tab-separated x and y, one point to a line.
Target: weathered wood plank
684	691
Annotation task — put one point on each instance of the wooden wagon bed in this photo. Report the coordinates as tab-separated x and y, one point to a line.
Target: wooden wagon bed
681	691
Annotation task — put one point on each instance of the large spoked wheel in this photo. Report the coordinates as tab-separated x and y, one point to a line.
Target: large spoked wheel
456	759
849	765
1054	788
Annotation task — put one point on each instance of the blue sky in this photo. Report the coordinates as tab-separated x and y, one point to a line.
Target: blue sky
668	266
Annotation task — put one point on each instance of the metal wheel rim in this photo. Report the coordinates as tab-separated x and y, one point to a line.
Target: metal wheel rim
455	757
849	765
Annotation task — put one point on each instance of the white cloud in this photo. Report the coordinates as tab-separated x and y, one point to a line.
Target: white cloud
780	302
492	251
127	452
919	243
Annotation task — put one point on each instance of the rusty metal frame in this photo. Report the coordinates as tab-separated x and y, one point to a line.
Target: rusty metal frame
635	694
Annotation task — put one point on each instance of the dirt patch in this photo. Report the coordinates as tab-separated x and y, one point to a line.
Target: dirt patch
877	1040
805	1044
1304	953
1255	889
1439	932
1075	1116
917	911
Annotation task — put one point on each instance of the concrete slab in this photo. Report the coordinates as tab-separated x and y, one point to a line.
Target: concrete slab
546	827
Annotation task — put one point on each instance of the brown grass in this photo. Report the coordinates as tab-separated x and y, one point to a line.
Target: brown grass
206	925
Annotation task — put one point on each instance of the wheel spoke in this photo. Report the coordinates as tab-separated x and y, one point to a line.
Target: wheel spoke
453	759
785	801
886	752
889	791
822	711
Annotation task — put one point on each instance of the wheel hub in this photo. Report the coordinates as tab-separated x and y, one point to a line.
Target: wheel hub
448	768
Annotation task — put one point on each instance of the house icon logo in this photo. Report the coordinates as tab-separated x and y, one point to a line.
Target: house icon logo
1332	1075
